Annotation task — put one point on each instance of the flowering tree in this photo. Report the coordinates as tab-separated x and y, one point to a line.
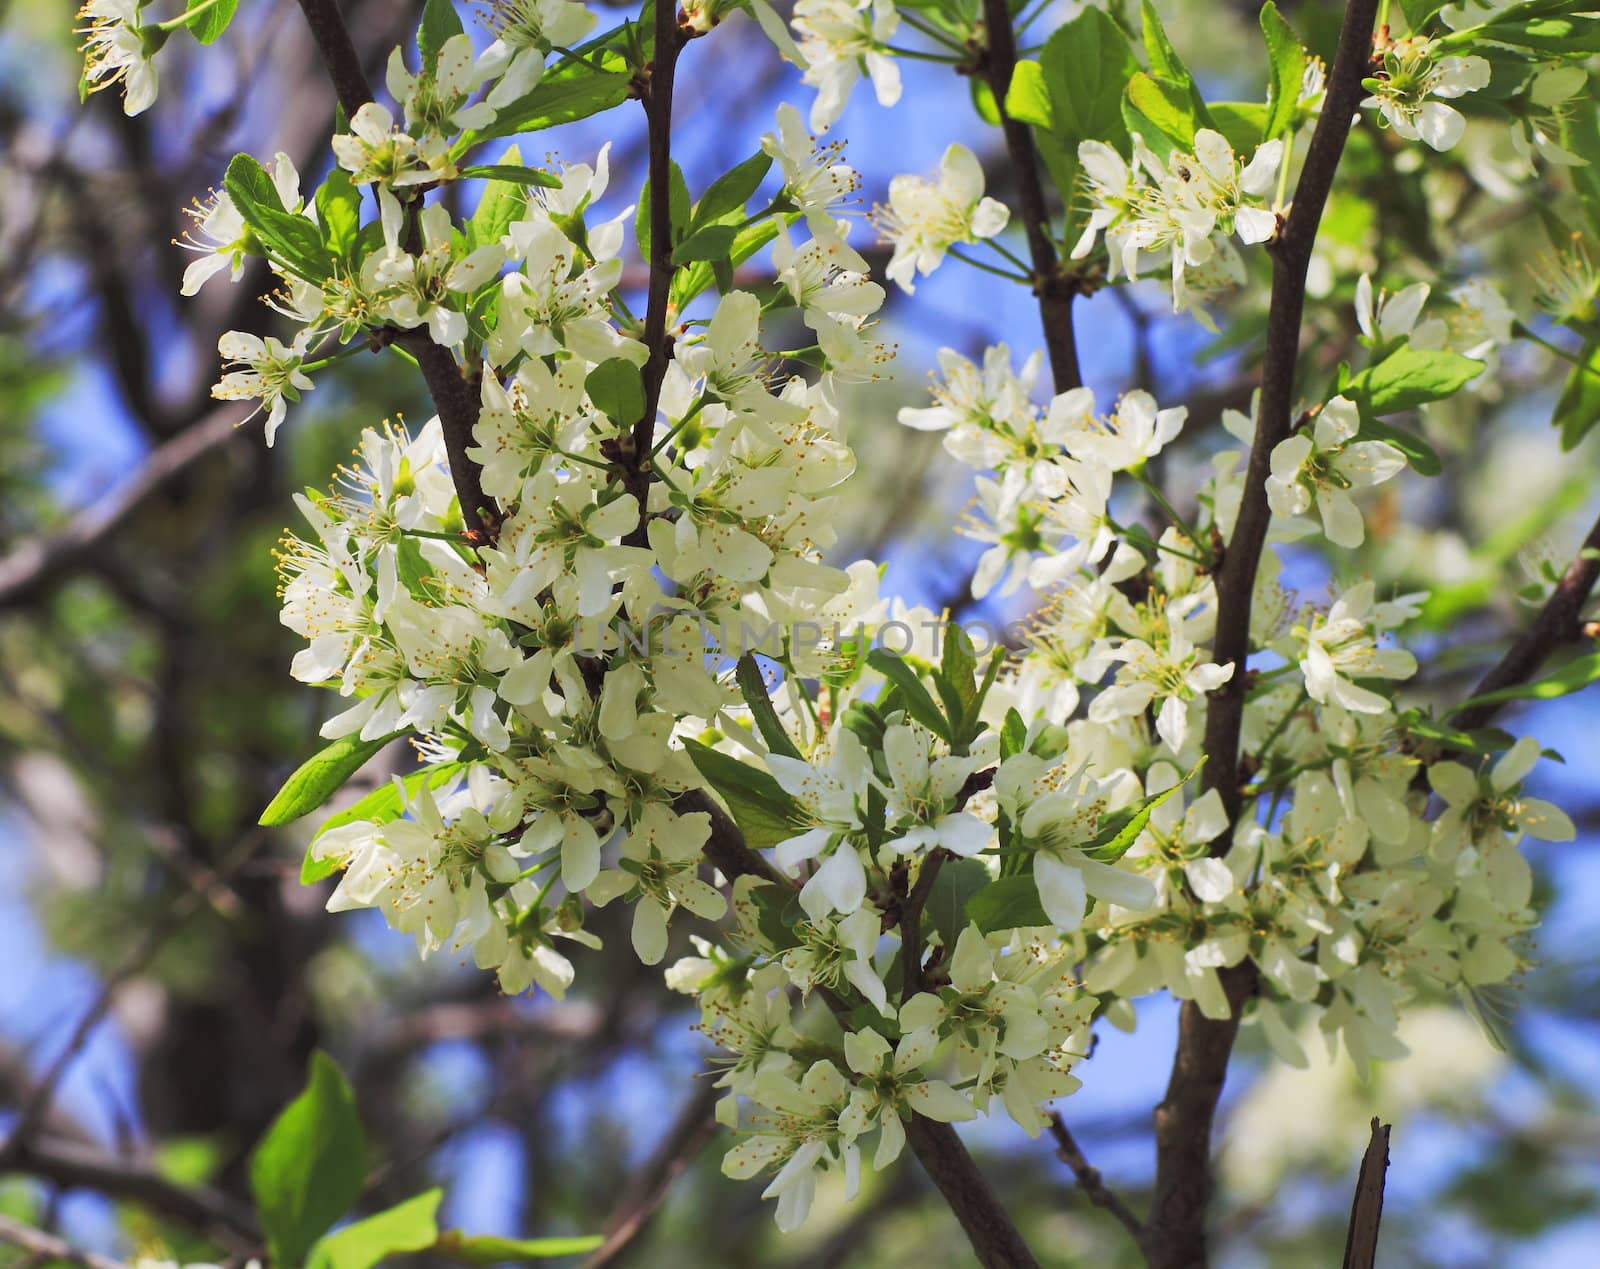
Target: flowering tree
924	861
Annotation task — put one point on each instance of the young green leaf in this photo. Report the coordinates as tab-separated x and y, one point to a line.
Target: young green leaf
1578	408
208	24
1167	67
754	689
713	243
500	204
1574	676
730	192
573	89
488	1249
309	1168
765	814
1422	457
294	240
1410	377
1287	58
382	806
918	703
1164	106
696	277
953	889
515	173
339	213
956	679
1007	903
440	22
317	779
1117	836
617	389
408	1226
1085	67
678	204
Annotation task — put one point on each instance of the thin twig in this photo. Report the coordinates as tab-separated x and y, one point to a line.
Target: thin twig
994	1238
1366	1209
73	1166
33	1114
657	101
1089	1179
1175	1234
39	563
1055	291
48	1247
646	1191
455	393
1556	623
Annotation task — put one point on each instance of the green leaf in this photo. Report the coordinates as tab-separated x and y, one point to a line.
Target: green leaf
294	240
1013	734
319	777
678	204
515	173
383	805
1028	98
573	89
731	191
754	689
1484	740
1578	409
498	207
956	678
696	277
1167	66
1571	36
1422	457
208	25
309	1168
765	814
953	889
918	703
616	387
408	1226
1574	676
439	23
1243	123
714	242
486	1249
1118	834
1007	903
1419	11
339	212
1085	67
1165	106
1410	377
1287	58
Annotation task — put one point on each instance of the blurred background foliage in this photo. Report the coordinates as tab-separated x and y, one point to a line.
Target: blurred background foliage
146	713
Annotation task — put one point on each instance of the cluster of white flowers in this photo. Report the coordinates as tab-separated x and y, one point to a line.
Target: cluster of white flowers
1182	213
968	863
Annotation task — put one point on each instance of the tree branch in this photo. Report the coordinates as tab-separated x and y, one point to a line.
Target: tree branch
39	563
1054	289
694	1127
1366	1210
1555	624
78	1167
45	1248
657	101
455	394
1089	1179
1175	1235
994	1238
